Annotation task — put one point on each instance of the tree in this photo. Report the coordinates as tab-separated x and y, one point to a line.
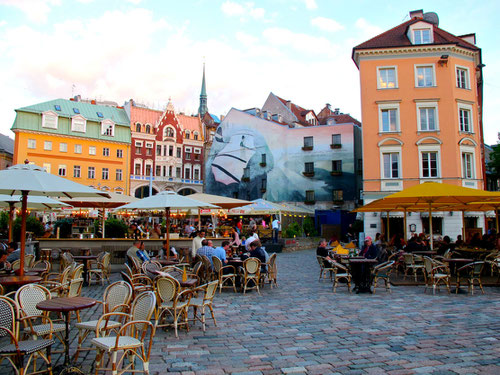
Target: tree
494	164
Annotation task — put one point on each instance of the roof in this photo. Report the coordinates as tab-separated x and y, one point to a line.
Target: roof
215	118
6	144
340	118
87	110
191	123
144	115
396	37
298	111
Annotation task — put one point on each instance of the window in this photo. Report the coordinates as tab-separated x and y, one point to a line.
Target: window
465	118
62	170
391	165
105	151
179	152
187	173
195	136
92	150
148	128
76	171
336	140
462	77
187	135
105	173
308	143
158	170
76	111
119	153
424	76
388	117
178	172
78	124
63	147
309	168
309	195
422	36
196	156
169	132
158	150
148	169
137	169
31	143
119	175
57	107
336	166
149	151
170	170
46	166
467	165
338	195
170	150
429	164
387	77
47	146
138	128
263	184
49	120
427	117
187	154
91	173
263	159
138	148
196	174
108	128
164	150
78	149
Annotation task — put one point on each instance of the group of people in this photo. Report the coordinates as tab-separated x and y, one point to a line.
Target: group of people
9	253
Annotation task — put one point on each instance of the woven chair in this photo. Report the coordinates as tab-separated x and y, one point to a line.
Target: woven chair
139	284
116	298
102	270
15	265
16	351
66	259
42	267
472	273
324	268
171	300
2	291
435	274
383	272
27	297
250	274
150	268
341	272
223	278
135	265
132	338
29	260
208	272
271	274
203	301
411	265
77	272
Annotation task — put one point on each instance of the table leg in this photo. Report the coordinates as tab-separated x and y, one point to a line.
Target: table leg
85	273
66	338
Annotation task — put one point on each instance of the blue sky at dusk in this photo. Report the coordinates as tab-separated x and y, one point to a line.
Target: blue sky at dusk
153	50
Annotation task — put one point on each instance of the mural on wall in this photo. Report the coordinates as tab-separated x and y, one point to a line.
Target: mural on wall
251	158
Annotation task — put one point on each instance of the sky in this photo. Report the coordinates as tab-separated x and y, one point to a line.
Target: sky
153	50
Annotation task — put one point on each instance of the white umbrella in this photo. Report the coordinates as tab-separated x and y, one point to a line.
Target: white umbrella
166	200
29	179
34	203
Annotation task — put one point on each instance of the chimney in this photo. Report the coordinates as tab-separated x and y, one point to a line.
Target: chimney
417	13
289	104
337	111
328	106
92	101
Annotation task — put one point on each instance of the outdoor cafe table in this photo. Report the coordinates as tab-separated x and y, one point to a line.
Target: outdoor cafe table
429	253
456	263
85	260
361	273
472	253
166	262
65	305
16	281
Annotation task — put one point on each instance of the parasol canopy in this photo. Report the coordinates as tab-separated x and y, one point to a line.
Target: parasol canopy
223	202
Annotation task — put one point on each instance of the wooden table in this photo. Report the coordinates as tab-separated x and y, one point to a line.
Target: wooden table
429	253
85	260
167	262
65	305
361	273
13	280
456	263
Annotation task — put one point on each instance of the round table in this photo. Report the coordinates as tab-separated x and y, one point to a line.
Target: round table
19	280
65	305
166	262
85	260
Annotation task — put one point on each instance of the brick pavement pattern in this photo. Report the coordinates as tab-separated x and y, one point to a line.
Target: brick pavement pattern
302	327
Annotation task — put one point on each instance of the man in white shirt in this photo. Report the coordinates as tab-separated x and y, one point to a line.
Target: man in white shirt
250	239
197	243
276	229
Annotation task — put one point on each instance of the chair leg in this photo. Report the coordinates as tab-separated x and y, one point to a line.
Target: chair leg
203	317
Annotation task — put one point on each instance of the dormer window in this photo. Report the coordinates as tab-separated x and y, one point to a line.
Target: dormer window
49	120
78	124
108	128
421	33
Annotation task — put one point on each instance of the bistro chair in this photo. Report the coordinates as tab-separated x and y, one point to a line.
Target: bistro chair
383	272
223	278
150	268
42	267
16	351
171	300
66	259
435	274
15	265
250	274
271	274
208	273
341	272
101	272
29	260
207	292
27	297
411	265
138	284
116	298
325	266
472	273
131	339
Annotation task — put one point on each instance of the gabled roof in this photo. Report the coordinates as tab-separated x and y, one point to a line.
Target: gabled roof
340	118
396	37
298	111
144	115
191	123
6	144
87	110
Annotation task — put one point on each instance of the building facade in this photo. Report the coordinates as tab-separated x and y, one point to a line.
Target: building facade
6	151
421	101
258	154
82	141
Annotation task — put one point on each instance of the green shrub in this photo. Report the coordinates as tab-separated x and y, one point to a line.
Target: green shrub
65	225
309	228
115	228
293	230
4	224
32	225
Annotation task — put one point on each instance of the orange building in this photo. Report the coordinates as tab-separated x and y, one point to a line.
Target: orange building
421	98
84	142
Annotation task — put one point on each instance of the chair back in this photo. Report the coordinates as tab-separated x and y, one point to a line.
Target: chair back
428	265
77	272
320	260
106	260
143	307
29	295
75	287
41	266
337	266
9	316
477	268
66	273
129	270
100	256
118	293
251	265
217	264
408	259
166	288
150	267
384	267
2	291
197	268
29	260
136	265
15	265
210	290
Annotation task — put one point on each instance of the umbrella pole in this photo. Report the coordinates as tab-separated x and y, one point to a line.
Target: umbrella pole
199	219
496	214
167	223
24	208
11	221
463	225
405	224
103	223
388	233
430	225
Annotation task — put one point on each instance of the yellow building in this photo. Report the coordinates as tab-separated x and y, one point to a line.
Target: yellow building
84	142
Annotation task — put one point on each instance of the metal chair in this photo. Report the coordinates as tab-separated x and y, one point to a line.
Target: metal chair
435	274
205	300
16	351
222	277
251	274
131	338
116	298
171	300
472	273
382	272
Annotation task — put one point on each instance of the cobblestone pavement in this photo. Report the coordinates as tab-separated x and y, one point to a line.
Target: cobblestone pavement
303	327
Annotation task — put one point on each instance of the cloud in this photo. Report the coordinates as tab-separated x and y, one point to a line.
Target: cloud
326	24
311	4
232	9
37	11
367	29
246	39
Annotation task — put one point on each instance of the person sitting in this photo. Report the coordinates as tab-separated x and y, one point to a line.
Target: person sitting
415	244
206	249
137	251
156	232
162	254
4	265
444	246
322	251
256	251
369	250
250	239
13	253
220	252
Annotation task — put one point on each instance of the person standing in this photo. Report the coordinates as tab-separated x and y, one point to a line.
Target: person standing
276	229
239	225
197	243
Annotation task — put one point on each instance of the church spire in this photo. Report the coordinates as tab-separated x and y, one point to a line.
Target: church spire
203	96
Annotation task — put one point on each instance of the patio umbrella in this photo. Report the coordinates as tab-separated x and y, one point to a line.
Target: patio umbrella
34	203
101	203
29	179
166	200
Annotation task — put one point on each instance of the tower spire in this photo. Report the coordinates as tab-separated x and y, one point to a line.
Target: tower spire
203	96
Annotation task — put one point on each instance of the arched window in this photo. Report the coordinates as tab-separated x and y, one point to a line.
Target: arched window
148	129
187	134
195	136
138	128
169	132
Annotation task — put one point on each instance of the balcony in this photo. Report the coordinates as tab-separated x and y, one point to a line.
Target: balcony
307	148
308	174
336	173
336	145
263	164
